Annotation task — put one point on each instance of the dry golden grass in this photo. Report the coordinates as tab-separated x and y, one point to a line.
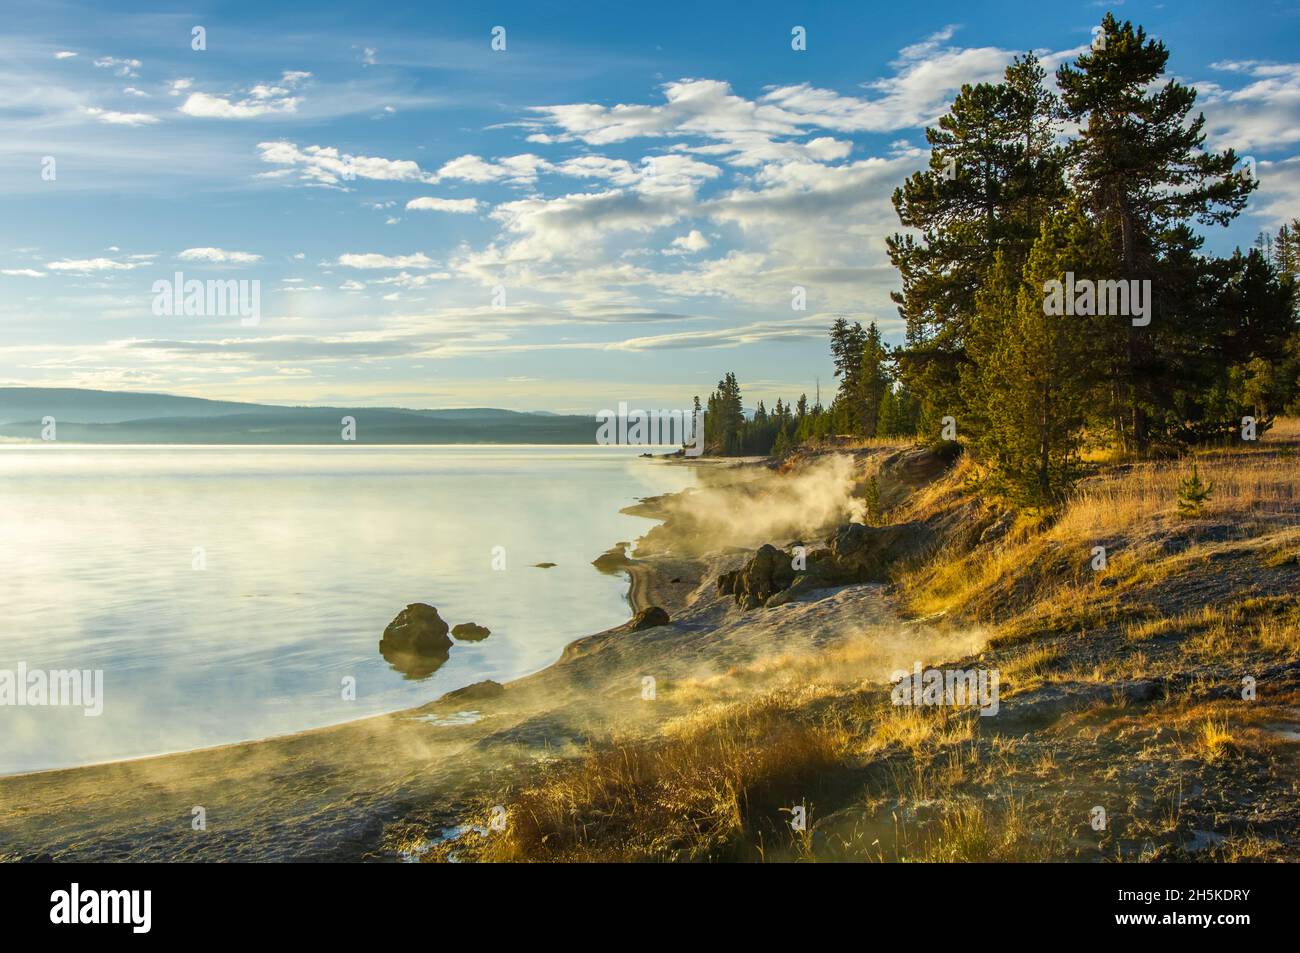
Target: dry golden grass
1270	624
916	728
970	832
1243	485
1040	574
1151	629
1031	665
761	737
716	783
1209	731
1252	848
697	792
1214	740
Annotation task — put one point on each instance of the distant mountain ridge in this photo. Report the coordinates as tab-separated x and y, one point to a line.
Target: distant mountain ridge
95	416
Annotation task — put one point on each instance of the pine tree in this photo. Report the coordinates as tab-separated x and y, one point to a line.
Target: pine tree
873	381
872	500
724	418
995	170
782	446
847	342
1193	495
1143	172
1024	388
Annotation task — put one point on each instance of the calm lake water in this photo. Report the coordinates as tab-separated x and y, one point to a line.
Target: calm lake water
305	554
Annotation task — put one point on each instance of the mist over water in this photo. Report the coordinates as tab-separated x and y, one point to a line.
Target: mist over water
309	552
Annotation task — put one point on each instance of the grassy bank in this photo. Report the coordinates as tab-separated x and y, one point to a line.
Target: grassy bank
1122	734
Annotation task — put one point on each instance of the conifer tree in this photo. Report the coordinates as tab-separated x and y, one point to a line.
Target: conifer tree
1140	168
1025	387
995	170
873	381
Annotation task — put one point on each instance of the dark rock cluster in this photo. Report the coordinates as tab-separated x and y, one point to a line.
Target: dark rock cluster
416	642
856	553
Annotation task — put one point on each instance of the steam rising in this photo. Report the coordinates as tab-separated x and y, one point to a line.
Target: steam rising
747	507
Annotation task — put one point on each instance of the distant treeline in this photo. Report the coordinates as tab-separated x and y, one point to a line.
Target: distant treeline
1055	295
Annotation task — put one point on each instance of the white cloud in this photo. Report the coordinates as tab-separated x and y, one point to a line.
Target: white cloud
576	225
64	55
22	272
121	119
1278	197
471	168
205	106
375	260
455	206
693	241
325	165
262	99
92	264
1264	114
122	67
750	132
218	256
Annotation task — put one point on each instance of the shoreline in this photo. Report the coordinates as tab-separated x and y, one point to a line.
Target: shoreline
791	679
642	588
84	812
639	578
348	791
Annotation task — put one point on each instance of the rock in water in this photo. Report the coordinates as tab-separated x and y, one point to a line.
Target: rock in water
471	632
649	618
418	628
613	560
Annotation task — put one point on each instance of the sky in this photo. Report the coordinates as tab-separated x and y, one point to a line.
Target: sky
553	206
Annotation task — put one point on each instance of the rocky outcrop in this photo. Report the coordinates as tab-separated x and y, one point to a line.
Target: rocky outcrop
767	573
856	553
861	553
471	632
648	618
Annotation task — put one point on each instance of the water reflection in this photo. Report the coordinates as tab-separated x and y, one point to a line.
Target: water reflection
307	554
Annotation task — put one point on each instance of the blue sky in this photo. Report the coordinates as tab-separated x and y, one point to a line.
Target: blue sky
645	183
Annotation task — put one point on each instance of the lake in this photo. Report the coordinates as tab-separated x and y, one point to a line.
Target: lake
227	593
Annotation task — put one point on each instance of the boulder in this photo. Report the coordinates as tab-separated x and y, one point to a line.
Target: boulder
769	571
864	553
471	632
419	629
649	618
